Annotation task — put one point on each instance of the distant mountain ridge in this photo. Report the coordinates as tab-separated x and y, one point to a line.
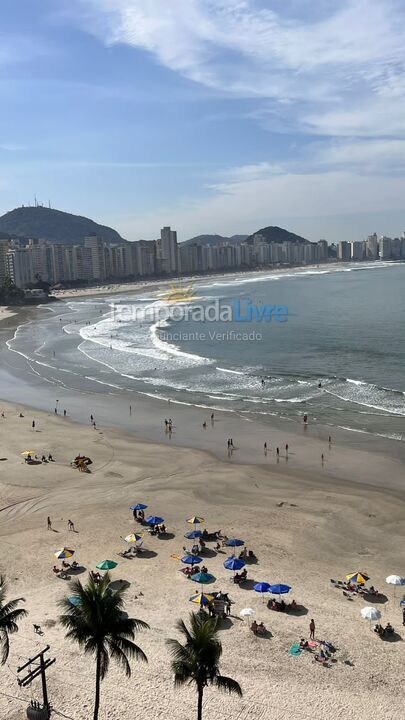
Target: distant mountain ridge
214	240
274	234
55	225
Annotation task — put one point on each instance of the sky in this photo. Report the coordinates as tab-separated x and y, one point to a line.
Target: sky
212	116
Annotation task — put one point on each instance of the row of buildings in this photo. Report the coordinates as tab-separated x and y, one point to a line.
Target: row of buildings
374	248
95	261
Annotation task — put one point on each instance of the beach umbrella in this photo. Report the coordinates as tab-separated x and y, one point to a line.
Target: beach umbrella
279	589
247	613
395	580
138	506
75	600
134	537
234	542
262	587
195	520
107	565
370	613
28	452
154	520
64	553
202	578
233	563
193	534
191	560
357	578
202	599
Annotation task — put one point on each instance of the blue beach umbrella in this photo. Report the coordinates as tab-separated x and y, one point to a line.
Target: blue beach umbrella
154	520
203	578
233	563
261	587
193	534
279	589
234	542
191	560
138	506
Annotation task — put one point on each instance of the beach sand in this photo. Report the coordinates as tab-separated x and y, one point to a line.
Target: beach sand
305	527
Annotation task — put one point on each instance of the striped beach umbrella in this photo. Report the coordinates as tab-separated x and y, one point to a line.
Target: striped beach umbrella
202	599
134	537
64	553
357	578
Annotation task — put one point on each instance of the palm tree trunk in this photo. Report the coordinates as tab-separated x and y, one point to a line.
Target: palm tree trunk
97	699
199	703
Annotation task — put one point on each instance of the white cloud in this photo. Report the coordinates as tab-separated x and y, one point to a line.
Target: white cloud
310	201
342	66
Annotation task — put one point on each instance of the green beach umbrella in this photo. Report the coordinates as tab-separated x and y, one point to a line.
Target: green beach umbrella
107	565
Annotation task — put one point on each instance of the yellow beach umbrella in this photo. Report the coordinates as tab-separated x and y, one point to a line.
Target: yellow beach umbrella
64	553
357	578
134	537
28	452
202	599
195	520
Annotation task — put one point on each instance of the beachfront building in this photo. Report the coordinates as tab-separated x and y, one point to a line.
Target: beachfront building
356	250
372	247
98	258
384	246
19	266
4	245
167	255
343	250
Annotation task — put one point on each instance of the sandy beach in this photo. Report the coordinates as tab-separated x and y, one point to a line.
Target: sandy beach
305	528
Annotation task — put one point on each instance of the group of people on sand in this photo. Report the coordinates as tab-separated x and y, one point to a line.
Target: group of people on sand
258	628
281	605
384	631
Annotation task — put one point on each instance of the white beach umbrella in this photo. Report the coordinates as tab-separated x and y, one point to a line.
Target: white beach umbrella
247	613
394	580
370	613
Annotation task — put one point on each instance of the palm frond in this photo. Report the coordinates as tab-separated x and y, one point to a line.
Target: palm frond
227	684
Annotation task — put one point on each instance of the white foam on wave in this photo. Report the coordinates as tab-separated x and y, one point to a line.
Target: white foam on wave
233	372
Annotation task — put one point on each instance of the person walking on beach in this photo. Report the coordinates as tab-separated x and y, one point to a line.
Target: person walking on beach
278	452
49	523
286	448
56	411
330	440
312	629
71	526
91	419
322	459
64	413
265	448
33	424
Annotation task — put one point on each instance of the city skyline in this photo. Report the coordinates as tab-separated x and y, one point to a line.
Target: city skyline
221	115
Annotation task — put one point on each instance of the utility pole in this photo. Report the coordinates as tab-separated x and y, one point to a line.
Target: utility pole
40	669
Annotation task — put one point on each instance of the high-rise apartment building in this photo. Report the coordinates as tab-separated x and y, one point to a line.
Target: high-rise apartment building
98	258
384	245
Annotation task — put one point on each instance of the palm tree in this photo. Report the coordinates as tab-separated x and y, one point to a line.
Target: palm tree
9	616
99	625
197	661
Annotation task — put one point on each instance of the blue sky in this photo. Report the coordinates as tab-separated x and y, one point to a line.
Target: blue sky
209	115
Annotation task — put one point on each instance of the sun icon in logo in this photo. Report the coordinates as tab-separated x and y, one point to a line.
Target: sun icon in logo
179	293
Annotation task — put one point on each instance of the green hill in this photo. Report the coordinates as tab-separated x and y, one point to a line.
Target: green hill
214	240
274	234
55	225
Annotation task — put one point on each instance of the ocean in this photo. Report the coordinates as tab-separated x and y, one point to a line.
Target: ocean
338	355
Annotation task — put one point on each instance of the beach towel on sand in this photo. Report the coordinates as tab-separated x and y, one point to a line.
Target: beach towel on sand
295	649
